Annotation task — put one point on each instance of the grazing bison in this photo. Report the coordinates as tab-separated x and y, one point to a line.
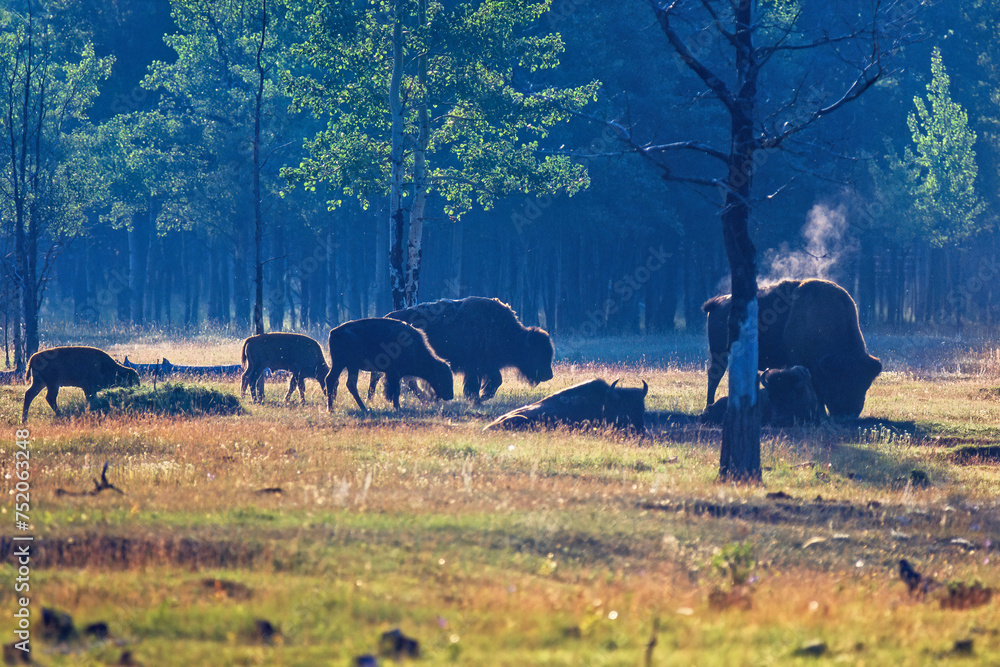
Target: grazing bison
298	354
88	368
811	323
380	345
786	397
479	337
594	402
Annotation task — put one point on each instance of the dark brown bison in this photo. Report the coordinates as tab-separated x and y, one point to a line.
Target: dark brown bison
88	368
811	323
791	396
479	337
380	345
298	354
786	397
593	402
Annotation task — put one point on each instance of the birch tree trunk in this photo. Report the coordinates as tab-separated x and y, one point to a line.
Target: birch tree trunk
397	278
740	454
415	243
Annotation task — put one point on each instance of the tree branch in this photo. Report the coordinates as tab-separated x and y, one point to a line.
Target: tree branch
715	84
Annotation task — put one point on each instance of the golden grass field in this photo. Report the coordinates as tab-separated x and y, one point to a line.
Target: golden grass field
543	548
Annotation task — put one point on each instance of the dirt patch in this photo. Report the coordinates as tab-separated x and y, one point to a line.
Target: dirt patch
116	552
976	454
782	508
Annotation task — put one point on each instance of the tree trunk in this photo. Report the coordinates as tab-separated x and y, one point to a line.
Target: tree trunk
454	290
415	244
258	228
276	301
740	454
397	277
31	284
332	302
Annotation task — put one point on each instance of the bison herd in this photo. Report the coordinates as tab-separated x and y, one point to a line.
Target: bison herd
813	360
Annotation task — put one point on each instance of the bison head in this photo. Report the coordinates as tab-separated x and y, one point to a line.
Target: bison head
841	383
535	363
126	377
626	408
791	395
441	380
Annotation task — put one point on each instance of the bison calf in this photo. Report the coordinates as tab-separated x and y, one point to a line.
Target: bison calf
479	337
380	345
298	354
88	368
786	397
593	402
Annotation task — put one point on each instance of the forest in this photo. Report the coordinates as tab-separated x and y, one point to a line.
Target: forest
245	165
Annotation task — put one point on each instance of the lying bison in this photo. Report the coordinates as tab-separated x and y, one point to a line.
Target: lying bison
298	354
593	402
792	396
786	397
479	337
88	368
812	323
380	345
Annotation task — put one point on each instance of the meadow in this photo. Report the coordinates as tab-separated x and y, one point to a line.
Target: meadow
559	547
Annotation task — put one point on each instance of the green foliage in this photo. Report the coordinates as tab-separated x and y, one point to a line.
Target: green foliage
141	159
940	170
735	562
48	91
169	398
486	119
208	102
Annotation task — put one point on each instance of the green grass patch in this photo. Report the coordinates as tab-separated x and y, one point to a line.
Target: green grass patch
168	399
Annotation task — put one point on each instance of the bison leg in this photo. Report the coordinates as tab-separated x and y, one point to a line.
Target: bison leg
253	378
491	383
392	382
471	386
29	396
302	388
352	386
246	381
292	383
420	391
52	394
716	369
331	382
372	384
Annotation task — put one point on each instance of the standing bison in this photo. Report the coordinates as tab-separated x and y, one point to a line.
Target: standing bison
479	337
592	402
380	345
812	323
298	354
88	368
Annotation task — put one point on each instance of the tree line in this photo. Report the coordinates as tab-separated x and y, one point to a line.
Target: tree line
281	164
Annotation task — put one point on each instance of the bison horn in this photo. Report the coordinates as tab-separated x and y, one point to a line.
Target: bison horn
645	389
615	383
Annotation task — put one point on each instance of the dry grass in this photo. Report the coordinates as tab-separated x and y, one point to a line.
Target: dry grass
561	547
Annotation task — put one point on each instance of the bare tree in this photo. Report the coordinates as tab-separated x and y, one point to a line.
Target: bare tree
727	44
